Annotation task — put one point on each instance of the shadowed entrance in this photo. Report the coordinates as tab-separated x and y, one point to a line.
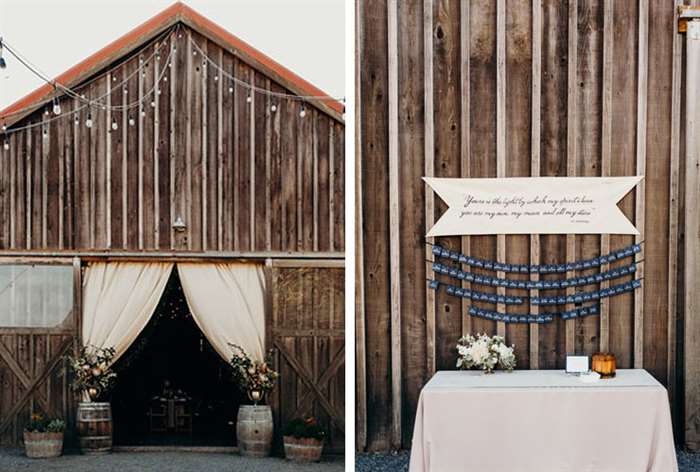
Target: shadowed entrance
173	387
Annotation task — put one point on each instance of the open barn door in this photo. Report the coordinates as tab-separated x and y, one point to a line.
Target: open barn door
307	328
38	328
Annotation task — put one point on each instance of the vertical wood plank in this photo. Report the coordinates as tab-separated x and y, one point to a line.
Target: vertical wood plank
606	155
673	216
571	155
360	328
691	303
535	165
501	136
465	142
394	223
640	194
429	172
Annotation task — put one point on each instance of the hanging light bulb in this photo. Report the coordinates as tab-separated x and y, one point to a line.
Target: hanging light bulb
132	122
143	112
76	120
125	91
249	99
46	111
216	78
6	146
153	104
4	128
302	113
273	107
56	108
88	122
230	89
114	124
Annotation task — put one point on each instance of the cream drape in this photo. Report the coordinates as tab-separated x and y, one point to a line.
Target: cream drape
119	299
227	302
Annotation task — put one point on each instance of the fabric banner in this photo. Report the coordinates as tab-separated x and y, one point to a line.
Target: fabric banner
532	205
119	299
227	302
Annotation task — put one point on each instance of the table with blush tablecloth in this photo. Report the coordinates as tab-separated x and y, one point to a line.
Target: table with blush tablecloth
542	421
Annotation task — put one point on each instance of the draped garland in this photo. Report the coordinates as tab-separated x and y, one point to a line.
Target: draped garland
576	299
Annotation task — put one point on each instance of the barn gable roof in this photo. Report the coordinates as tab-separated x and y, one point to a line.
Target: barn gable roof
151	29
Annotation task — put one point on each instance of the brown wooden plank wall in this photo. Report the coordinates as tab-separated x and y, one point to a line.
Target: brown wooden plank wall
242	177
579	100
307	331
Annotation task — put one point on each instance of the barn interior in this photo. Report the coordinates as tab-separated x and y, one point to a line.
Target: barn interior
174	388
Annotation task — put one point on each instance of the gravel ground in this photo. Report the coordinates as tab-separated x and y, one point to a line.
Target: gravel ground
687	462
13	460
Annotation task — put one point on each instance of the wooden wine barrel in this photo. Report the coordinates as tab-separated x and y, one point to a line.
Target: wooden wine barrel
254	430
94	425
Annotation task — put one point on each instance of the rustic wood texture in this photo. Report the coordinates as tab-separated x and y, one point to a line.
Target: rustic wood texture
307	332
197	150
514	88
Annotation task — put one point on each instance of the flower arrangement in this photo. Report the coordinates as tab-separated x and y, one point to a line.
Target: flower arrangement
39	424
92	372
485	353
305	428
253	378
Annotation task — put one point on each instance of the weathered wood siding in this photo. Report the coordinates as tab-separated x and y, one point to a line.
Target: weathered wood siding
508	88
308	335
242	177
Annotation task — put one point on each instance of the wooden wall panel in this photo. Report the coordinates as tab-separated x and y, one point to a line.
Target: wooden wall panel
573	106
307	331
197	149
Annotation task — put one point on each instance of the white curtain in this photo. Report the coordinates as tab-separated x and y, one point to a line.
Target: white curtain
227	302
119	299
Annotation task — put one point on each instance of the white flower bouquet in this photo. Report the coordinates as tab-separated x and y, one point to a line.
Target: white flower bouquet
485	353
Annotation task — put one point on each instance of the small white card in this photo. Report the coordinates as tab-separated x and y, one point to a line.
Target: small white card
576	364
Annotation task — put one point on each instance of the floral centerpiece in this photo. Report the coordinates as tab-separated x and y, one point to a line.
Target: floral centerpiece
254	378
303	440
92	373
485	353
43	437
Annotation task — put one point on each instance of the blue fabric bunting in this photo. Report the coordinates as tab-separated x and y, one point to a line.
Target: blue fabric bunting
627	251
534	284
533	318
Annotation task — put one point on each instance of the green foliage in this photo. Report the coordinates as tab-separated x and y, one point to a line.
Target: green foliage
252	375
39	424
304	428
92	371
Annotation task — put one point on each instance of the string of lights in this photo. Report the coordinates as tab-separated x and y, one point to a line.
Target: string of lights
91	103
75	93
98	102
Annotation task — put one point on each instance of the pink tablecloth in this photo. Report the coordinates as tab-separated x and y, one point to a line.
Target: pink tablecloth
542	421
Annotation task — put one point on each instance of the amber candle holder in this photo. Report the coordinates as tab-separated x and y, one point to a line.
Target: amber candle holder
604	364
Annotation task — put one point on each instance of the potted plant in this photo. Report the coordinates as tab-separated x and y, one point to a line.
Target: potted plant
254	425
485	353
43	437
93	378
303	440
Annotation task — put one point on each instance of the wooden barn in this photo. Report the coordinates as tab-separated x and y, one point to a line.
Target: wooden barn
521	88
177	145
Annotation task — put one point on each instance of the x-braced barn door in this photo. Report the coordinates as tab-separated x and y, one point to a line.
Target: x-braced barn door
306	328
38	328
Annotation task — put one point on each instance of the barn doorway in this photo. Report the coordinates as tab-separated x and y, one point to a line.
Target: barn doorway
174	389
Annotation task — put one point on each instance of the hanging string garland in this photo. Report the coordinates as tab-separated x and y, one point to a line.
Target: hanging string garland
99	103
576	298
456	273
539	318
627	251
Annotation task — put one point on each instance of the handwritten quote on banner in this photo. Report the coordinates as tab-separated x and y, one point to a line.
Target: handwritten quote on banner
533	205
